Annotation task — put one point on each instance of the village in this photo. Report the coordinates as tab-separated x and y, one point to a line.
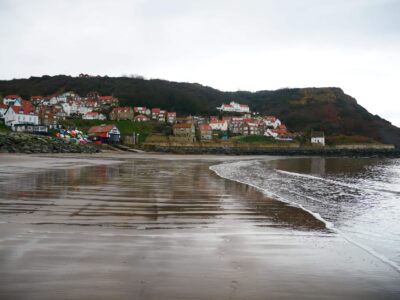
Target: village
47	114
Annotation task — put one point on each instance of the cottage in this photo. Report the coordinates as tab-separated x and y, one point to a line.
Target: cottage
234	107
205	132
108	101
185	131
171	117
318	138
10	100
93	115
105	134
3	109
121	113
154	113
141	118
20	115
140	110
271	122
219	125
162	116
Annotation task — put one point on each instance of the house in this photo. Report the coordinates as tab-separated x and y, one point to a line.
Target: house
108	101
271	122
244	129
162	116
31	128
154	113
121	113
185	131
234	107
318	138
3	109
63	97
105	134
20	115
10	100
141	118
93	115
219	125
184	120
214	118
171	117
205	132
140	110
37	100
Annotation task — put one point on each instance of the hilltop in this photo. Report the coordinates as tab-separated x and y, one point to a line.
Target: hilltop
303	109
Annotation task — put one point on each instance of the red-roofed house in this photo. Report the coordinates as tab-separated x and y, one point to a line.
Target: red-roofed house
141	118
154	113
105	134
171	117
121	113
108	101
20	115
219	125
205	131
93	115
10	100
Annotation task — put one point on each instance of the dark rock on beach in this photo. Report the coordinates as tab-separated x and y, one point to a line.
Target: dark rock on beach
29	143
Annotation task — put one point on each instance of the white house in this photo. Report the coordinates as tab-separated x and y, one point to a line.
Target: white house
10	100
234	107
20	115
271	132
64	97
93	115
272	122
219	125
3	109
318	138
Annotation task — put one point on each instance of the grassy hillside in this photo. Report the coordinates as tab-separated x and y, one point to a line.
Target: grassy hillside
327	109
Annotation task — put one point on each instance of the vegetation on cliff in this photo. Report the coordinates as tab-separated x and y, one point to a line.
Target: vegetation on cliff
326	109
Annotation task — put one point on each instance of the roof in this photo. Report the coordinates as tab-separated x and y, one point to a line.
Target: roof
12	97
122	108
23	110
183	126
100	129
171	113
155	110
92	113
317	134
140	117
205	127
3	106
106	98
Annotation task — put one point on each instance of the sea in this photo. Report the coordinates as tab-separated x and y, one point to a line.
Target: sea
357	198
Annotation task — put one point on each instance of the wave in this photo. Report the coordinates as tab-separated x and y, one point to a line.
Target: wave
316	215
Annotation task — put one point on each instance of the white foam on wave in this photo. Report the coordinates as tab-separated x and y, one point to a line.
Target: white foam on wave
328	225
352	186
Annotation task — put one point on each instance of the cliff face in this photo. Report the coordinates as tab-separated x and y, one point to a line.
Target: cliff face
327	109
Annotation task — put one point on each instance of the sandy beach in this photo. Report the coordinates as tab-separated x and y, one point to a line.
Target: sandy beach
140	226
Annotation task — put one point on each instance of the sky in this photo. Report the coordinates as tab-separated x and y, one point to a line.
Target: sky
226	44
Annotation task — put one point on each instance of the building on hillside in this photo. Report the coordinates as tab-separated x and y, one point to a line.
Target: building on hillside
105	134
205	132
63	97
271	122
140	110
184	131
121	113
214	118
10	100
16	115
3	109
219	125
171	117
154	113
94	115
162	116
141	118
234	126
92	96
184	120
108	101
37	100
318	138
234	107
31	128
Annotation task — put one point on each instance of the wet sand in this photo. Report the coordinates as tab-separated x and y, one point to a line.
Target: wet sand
165	227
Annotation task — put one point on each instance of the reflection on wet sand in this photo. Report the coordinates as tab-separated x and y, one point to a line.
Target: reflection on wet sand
132	194
165	229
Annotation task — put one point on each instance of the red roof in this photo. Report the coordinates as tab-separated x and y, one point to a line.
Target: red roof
23	110
100	129
205	127
155	110
141	117
106	98
171	114
182	125
92	113
3	105
12	97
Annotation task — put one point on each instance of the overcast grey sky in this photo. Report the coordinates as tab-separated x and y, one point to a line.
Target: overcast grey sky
230	45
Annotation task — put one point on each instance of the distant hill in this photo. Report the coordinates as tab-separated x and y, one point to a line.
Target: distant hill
328	109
